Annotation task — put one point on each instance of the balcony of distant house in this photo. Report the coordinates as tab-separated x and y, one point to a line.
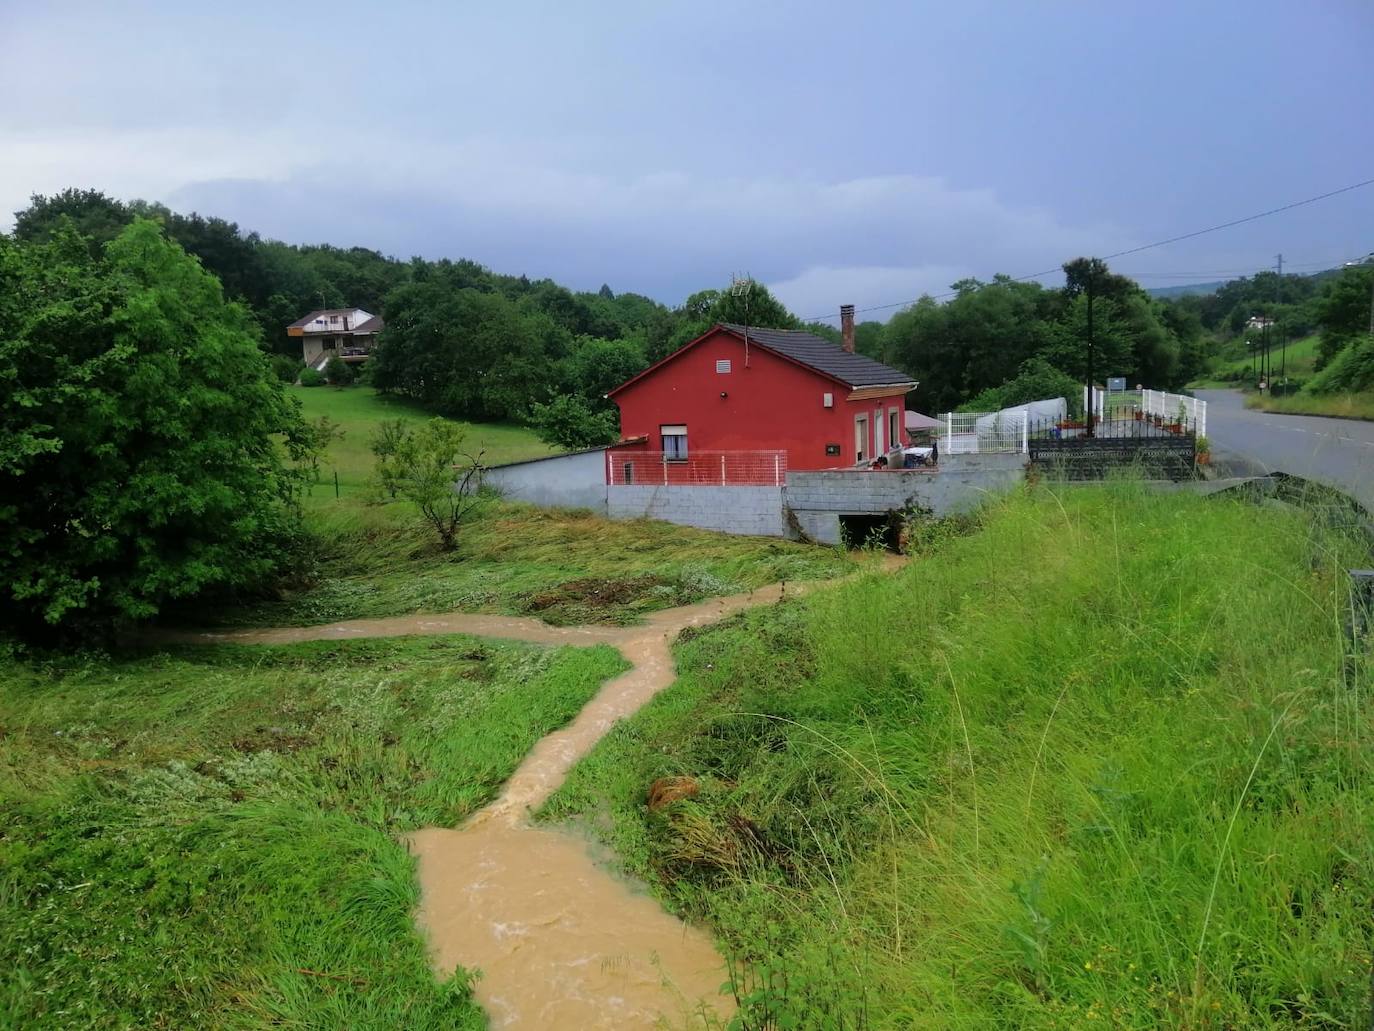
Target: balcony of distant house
346	333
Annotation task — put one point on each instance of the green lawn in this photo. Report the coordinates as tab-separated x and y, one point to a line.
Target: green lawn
1093	766
359	411
211	837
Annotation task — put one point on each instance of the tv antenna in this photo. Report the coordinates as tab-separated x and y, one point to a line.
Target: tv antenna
742	285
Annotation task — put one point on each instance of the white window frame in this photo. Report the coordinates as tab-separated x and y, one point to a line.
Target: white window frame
677	433
894	427
861	438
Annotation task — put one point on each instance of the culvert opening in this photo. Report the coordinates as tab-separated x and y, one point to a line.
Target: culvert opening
870	530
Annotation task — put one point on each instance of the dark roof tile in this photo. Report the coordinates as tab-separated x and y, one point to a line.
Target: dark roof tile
857	370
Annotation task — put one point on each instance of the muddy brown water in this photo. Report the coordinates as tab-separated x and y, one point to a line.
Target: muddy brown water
557	939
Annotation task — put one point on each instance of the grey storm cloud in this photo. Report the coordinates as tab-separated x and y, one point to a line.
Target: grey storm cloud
862	155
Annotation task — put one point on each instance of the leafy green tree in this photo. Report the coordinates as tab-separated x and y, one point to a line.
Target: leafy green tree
428	467
385	444
141	434
1342	309
92	214
571	422
1036	380
751	305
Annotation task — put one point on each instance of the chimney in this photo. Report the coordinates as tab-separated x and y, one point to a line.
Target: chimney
847	327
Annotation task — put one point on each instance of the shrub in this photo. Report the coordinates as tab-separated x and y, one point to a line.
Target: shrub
285	367
1036	380
1352	369
311	378
338	372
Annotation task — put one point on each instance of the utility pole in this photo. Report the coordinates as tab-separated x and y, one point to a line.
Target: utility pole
1283	340
1092	273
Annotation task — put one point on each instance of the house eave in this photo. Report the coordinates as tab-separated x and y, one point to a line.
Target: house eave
881	390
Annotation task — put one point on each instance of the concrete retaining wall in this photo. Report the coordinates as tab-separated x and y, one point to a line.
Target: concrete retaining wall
962	482
816	499
576	480
755	511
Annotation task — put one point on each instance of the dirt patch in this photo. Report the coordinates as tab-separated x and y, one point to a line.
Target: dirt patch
592	593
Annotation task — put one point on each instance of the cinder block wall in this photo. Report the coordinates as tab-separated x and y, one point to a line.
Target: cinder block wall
816	499
753	511
963	482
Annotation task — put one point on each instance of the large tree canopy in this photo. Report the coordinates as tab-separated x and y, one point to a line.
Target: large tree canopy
144	442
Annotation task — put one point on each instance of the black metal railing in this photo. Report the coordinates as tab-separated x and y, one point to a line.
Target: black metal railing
1123	440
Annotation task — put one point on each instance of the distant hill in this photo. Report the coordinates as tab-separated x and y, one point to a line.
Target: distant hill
1185	290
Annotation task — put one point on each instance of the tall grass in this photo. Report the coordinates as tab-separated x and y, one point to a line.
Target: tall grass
564	566
1095	765
211	837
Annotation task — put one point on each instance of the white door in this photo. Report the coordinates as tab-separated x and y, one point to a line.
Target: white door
860	438
878	448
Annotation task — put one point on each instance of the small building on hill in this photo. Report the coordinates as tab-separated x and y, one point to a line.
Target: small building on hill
349	333
738	391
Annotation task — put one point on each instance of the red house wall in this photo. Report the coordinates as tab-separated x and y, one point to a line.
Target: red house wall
770	404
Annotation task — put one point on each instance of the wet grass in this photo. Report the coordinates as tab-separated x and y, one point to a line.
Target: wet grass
374	557
565	567
1096	765
1344	406
211	837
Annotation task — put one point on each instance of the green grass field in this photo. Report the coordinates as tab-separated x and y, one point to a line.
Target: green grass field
376	558
1298	360
1093	766
359	410
210	837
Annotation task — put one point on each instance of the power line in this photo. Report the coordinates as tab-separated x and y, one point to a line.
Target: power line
1130	250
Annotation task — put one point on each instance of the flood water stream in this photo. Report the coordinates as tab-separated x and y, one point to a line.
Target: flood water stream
559	941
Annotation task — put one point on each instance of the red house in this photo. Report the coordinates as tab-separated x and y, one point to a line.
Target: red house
742	404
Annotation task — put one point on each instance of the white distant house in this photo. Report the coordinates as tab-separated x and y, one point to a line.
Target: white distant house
349	333
1258	322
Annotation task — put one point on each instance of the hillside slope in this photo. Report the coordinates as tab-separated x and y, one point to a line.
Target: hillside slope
1094	763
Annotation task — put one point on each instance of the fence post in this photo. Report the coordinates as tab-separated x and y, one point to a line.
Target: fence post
949	421
777	470
722	469
1025	431
665	468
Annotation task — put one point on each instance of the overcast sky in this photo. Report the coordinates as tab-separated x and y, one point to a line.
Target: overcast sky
859	153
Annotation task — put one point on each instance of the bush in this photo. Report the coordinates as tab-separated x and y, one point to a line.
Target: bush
1036	380
311	378
285	367
338	372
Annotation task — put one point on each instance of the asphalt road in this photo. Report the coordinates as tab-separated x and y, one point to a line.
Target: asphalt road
1339	452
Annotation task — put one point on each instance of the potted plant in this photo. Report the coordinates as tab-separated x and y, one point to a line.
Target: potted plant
1204	451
